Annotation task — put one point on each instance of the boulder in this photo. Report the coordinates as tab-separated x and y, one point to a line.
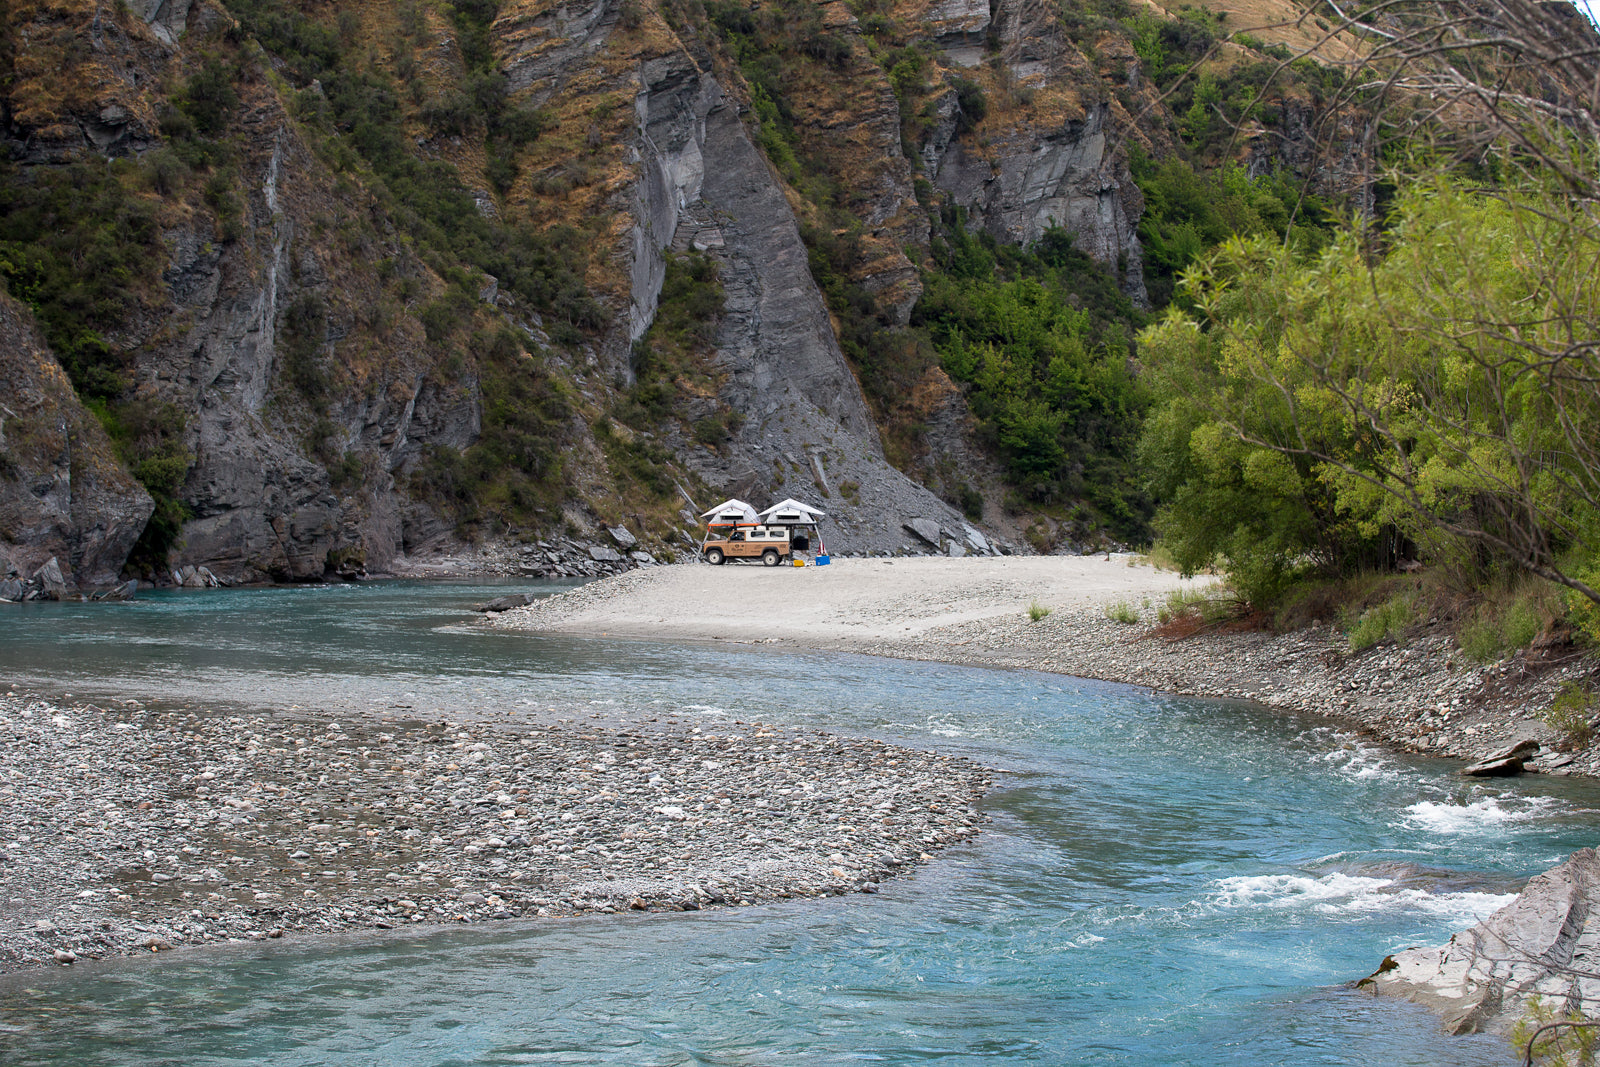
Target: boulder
978	542
1494	768
642	558
1504	763
1524	749
602	554
1541	944
51	581
956	550
623	537
926	529
506	603
11	589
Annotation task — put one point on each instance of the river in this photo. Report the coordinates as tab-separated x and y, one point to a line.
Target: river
1166	880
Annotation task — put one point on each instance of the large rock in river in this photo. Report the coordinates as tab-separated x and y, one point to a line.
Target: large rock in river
1544	943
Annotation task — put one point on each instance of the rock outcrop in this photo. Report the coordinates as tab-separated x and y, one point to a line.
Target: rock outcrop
1546	943
67	504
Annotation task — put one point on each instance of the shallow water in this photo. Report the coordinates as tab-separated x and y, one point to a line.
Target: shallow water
1166	880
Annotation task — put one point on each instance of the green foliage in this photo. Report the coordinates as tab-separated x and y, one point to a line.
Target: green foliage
208	98
1500	625
1572	714
1335	412
644	467
512	477
1581	611
1038	336
1386	622
1188	214
674	358
1567	1046
149	438
76	244
1122	612
1037	611
972	101
301	340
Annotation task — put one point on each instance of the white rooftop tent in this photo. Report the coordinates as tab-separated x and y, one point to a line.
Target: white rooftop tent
730	512
791	512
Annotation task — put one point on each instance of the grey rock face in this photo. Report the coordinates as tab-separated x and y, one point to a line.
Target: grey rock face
262	508
622	536
50	580
1544	943
1070	178
703	185
63	494
167	19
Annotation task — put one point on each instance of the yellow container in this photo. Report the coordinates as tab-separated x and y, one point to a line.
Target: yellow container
799	563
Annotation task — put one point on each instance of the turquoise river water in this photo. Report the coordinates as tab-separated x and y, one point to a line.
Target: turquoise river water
1166	880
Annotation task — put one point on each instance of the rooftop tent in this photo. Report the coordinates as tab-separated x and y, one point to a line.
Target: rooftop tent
791	511
730	512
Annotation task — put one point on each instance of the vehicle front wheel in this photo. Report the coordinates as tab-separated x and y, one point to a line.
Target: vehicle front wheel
770	557
714	556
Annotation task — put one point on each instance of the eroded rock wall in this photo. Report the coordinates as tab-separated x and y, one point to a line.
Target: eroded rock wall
63	492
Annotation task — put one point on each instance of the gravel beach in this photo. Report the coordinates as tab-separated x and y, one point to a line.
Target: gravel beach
125	830
1423	696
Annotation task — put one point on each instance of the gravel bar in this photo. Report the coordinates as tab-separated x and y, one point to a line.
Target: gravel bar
126	829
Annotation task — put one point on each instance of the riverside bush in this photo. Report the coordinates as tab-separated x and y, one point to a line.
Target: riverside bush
1306	423
1386	622
1123	612
1572	714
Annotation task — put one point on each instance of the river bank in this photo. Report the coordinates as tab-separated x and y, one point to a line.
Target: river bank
1424	696
130	830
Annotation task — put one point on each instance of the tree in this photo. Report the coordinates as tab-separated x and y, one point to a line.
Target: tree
1448	391
1437	372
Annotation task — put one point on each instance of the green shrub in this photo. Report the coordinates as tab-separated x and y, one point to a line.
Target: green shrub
1567	1045
1572	714
1386	622
1499	627
1581	611
301	339
1037	611
1123	612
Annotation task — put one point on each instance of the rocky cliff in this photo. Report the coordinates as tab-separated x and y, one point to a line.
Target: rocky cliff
64	494
400	261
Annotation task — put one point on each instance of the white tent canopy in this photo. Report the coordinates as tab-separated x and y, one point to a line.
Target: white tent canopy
792	511
732	510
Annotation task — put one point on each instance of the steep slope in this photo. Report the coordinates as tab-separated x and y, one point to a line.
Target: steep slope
63	493
350	283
